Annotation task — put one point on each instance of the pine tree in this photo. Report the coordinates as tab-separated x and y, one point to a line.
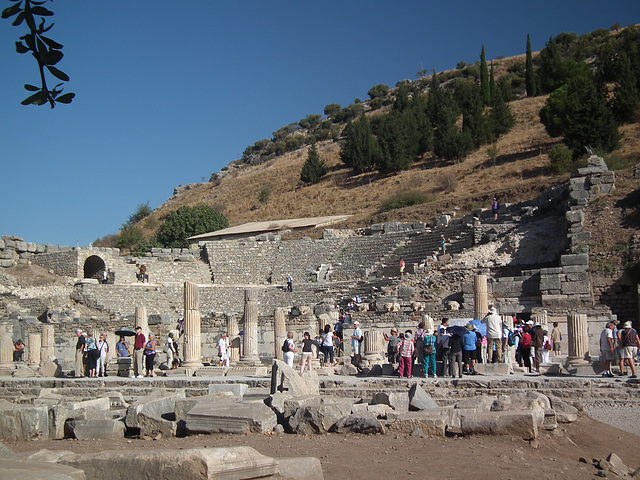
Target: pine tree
360	149
502	119
314	168
484	79
625	95
449	142
492	84
530	78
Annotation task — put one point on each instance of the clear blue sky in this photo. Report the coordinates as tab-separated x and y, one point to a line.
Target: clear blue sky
170	92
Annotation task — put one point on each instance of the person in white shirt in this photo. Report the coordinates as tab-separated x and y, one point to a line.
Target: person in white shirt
356	342
224	350
494	334
291	352
103	349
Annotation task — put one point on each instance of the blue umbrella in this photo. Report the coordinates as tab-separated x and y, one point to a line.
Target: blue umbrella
457	330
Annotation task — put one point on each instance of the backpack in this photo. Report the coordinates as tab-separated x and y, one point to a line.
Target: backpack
428	349
511	339
285	346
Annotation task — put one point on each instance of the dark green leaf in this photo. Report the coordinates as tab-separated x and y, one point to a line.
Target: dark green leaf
28	39
11	11
20	48
58	74
42	48
45	30
30	21
31	88
43	12
66	98
18	19
39	98
33	2
52	57
51	43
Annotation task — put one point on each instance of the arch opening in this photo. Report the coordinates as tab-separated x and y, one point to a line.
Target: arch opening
93	267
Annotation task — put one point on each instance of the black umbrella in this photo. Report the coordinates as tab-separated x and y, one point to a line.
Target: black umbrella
126	332
457	330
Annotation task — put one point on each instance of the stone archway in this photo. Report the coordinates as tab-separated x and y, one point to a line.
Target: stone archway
93	267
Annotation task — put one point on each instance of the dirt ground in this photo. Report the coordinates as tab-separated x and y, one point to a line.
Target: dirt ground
554	455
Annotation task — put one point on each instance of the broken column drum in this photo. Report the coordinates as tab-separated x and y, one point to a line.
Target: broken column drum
374	346
480	297
577	330
279	331
250	330
6	353
192	341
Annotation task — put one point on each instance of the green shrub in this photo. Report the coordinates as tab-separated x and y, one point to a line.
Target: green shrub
560	160
404	199
187	222
265	192
619	162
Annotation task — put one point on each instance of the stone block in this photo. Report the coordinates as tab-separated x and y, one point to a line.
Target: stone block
317	419
564	412
550	282
300	468
24	423
286	379
154	405
21	247
419	399
492	369
37	470
574	259
238	389
95	429
406	422
51	368
291	405
521	424
571	288
550	421
406	292
359	422
574	216
399	401
208	463
209	416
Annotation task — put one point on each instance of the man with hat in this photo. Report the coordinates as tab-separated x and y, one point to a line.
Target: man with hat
494	334
405	351
629	341
356	342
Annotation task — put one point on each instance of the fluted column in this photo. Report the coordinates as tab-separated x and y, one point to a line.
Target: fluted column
429	324
279	330
542	318
577	330
192	342
480	297
47	342
233	333
250	330
35	345
142	319
374	346
323	319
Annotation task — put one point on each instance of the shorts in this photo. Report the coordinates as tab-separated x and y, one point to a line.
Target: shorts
608	355
356	349
628	352
468	355
556	346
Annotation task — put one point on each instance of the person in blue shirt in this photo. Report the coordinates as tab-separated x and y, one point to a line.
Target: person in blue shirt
122	348
469	349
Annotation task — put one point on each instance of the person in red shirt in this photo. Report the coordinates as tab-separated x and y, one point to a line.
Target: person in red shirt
525	347
138	352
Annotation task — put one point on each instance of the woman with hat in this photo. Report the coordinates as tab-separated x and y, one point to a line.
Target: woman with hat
405	351
629	348
469	349
429	353
392	348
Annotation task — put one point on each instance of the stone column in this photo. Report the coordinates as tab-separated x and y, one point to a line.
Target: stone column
577	331
508	352
6	353
142	320
480	297
250	330
279	330
233	332
47	342
542	318
35	345
192	343
323	319
374	346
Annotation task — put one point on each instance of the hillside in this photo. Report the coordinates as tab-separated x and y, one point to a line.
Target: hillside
519	173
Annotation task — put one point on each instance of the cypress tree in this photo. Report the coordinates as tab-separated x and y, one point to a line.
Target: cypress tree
625	95
359	149
484	79
530	78
314	168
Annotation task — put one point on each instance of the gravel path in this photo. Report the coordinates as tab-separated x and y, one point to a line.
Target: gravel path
624	416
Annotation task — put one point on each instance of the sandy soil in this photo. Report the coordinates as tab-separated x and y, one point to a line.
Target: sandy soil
554	455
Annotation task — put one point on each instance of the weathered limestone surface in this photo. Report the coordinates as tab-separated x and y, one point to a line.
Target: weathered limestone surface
210	416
